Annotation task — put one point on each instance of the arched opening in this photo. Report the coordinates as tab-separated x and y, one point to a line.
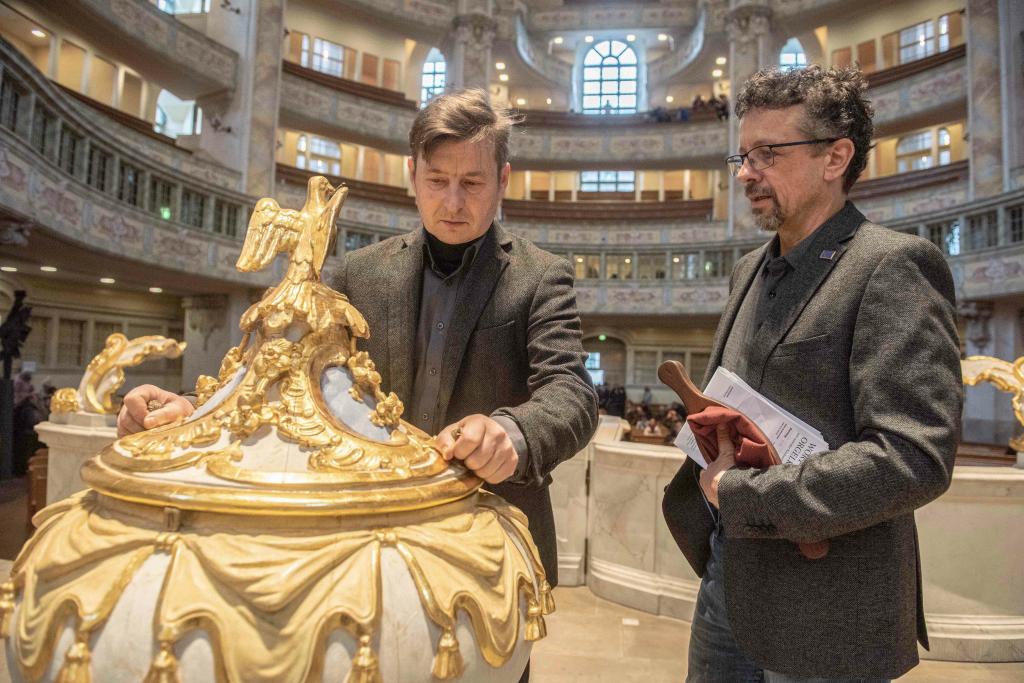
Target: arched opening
792	56
176	117
610	78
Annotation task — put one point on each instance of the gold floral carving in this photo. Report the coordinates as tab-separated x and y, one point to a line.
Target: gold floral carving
105	373
1005	376
64	400
474	555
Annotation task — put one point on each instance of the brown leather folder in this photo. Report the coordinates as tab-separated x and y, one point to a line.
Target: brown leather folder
753	448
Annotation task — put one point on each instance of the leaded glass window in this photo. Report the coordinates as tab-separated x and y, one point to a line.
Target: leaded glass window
610	78
433	80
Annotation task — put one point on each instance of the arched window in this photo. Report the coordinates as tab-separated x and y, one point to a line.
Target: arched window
914	152
792	56
945	148
610	76
433	79
177	117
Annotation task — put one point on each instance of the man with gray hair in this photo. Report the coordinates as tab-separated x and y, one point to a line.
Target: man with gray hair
851	327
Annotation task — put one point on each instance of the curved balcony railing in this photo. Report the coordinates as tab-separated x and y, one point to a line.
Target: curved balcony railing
612	15
153	43
91	180
928	93
686	51
553	69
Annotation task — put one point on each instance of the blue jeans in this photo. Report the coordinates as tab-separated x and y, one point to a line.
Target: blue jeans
714	656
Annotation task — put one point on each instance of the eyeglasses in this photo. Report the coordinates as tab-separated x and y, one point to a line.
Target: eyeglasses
763	156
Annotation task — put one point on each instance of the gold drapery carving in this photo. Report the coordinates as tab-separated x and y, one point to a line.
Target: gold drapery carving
269	618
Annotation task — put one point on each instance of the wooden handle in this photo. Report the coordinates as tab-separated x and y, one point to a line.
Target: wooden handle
673	374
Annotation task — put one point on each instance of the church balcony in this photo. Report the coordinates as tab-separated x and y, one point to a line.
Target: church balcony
79	181
928	92
154	43
921	93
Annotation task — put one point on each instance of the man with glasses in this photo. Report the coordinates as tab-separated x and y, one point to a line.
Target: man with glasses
850	327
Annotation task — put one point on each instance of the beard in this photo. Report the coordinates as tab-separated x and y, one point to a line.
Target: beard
767	219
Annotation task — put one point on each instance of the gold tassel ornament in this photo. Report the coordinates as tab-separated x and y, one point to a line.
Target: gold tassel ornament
164	668
535	628
547	600
448	662
76	663
365	668
6	608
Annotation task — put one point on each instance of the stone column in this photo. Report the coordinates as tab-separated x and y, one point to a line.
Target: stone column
750	47
1011	42
984	99
239	128
992	329
211	328
468	49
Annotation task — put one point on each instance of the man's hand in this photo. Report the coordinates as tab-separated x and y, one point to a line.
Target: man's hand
135	415
483	445
726	460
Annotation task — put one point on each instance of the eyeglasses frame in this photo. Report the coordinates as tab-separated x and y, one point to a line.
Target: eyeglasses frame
745	158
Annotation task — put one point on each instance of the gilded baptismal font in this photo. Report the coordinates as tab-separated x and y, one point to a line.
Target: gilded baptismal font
293	528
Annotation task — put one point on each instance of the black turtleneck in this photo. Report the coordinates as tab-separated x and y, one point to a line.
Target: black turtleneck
447	257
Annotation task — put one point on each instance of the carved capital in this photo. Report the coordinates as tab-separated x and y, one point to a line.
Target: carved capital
474	32
14	233
978	314
749	22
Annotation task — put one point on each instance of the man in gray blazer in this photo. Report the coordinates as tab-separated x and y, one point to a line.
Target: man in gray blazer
851	327
475	329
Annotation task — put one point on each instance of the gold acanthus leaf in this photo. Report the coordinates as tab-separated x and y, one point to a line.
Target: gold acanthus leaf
64	400
105	373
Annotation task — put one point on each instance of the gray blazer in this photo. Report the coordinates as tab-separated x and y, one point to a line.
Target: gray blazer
514	349
869	355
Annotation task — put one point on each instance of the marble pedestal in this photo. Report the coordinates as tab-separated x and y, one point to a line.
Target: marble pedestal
632	558
972	542
569	501
72	438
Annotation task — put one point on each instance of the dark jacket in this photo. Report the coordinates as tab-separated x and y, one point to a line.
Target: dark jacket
514	349
867	353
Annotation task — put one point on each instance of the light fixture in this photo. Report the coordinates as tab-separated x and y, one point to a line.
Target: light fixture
107	280
669	99
717	73
156	290
627	260
631	37
558	40
500	66
675	259
38	34
503	78
520	101
588	39
579	259
662	37
9	269
48	269
720	61
602	337
548	100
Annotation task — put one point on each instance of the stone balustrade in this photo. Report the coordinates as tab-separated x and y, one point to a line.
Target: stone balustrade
613	538
90	180
934	93
155	43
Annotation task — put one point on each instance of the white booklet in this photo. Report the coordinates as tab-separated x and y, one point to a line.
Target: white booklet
792	438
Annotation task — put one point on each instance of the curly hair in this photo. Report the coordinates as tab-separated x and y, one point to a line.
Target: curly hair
835	103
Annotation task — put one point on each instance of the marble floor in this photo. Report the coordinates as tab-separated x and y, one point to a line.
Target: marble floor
590	640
